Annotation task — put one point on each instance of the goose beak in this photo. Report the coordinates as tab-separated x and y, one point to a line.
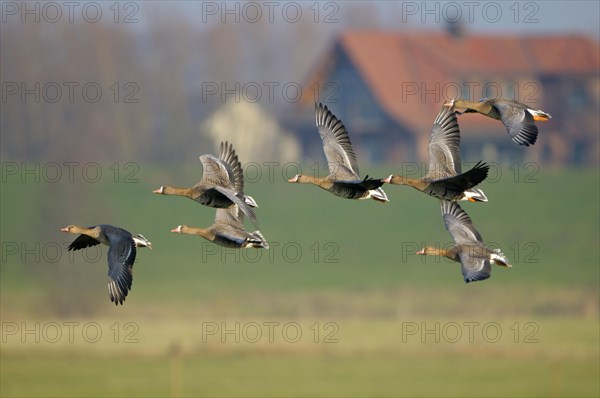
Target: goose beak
177	229
388	180
422	251
159	190
449	103
293	179
65	229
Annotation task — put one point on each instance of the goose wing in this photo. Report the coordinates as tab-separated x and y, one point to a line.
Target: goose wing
214	171
341	159
518	121
83	241
238	200
451	187
459	224
232	164
229	226
121	256
444	145
474	268
232	216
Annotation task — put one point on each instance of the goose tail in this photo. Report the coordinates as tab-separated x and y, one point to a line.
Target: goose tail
259	241
474	195
497	257
539	115
379	195
140	241
250	201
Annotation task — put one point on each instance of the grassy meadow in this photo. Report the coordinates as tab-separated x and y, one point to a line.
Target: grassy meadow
339	306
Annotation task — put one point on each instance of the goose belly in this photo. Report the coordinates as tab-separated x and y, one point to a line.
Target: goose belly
214	199
442	192
349	192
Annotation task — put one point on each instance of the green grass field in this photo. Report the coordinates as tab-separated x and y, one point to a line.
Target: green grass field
374	318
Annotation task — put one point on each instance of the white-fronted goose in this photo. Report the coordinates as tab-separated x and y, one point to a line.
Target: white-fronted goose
217	187
444	179
343	179
518	118
227	230
121	254
475	258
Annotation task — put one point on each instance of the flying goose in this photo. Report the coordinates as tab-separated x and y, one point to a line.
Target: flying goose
518	118
444	179
121	254
343	179
217	188
227	230
475	258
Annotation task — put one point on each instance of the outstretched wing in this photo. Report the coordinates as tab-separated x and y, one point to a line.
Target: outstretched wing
229	227
121	256
233	166
459	224
214	171
336	144
232	216
452	187
474	268
518	121
83	241
238	200
444	145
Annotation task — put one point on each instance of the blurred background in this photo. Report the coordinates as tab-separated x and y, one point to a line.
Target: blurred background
102	102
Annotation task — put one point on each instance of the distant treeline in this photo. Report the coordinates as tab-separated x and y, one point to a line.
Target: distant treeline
126	83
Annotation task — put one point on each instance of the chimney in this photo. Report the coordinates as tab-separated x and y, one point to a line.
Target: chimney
455	29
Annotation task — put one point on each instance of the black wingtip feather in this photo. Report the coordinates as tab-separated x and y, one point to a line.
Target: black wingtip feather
476	278
371	183
453	209
478	173
527	135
